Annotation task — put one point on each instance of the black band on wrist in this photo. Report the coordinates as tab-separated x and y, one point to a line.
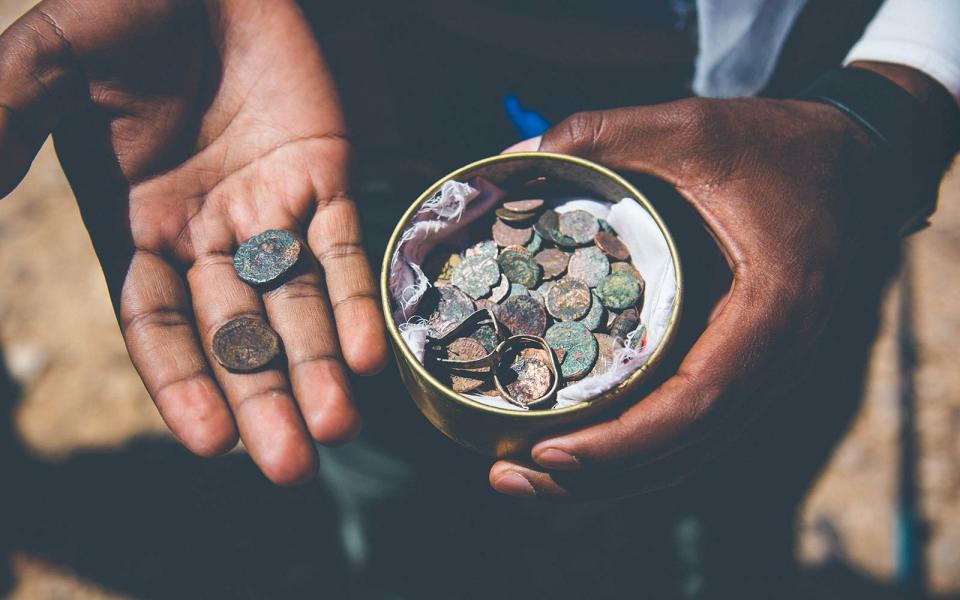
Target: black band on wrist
910	141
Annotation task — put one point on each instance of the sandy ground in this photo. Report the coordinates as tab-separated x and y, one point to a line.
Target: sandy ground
81	395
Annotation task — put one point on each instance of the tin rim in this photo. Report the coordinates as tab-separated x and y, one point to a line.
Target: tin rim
421	371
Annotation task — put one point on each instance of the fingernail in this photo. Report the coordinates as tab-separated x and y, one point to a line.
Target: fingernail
514	484
554	458
528	145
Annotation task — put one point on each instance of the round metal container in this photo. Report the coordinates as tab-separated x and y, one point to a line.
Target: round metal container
501	432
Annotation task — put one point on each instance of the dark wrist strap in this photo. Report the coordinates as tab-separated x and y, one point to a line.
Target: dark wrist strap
913	148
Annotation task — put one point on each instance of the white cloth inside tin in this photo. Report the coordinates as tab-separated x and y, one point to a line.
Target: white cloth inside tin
444	219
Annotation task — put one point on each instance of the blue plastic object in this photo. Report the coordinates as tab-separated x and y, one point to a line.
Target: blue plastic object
529	123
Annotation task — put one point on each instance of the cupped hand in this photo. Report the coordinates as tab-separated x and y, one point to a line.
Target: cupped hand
773	182
186	127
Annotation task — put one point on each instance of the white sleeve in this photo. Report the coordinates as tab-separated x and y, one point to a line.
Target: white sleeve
922	34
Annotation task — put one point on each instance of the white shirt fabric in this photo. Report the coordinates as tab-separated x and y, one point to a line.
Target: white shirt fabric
741	40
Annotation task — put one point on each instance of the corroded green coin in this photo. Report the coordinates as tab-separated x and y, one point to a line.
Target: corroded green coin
535	243
505	234
553	262
579	344
486	248
519	267
597	315
619	291
624	323
605	226
625	267
451	307
522	315
476	275
266	256
486	335
548	226
590	265
579	225
244	345
569	299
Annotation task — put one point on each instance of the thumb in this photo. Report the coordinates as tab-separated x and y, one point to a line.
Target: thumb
657	140
39	84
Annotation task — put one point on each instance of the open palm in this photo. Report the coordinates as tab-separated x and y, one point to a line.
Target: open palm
185	128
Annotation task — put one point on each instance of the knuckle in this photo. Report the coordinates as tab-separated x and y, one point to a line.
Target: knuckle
580	132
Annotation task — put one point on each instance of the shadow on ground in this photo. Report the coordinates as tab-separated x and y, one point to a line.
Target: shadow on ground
155	522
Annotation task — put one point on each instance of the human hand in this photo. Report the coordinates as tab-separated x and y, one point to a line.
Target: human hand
774	182
186	127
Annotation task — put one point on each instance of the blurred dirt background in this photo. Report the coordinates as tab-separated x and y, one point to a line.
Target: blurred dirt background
81	400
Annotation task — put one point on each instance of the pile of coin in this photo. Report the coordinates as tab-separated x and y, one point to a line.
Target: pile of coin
564	278
245	345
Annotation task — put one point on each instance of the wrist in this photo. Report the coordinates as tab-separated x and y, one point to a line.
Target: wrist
914	131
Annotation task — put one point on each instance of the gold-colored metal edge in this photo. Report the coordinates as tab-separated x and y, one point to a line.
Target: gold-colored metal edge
394	331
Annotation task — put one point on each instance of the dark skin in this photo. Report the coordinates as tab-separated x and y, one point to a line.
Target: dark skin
219	119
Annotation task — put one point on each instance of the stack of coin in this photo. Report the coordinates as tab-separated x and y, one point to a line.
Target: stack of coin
564	277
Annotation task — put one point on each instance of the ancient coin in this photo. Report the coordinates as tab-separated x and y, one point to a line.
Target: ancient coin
612	245
541	354
523	206
624	323
519	267
548	226
466	380
486	335
579	225
544	289
440	263
476	275
486	248
244	345
520	249
553	261
500	291
589	265
569	299
597	315
606	346
522	315
518	290
266	256
507	235
515	218
531	380
580	345
535	243
619	291
637	340
625	267
452	306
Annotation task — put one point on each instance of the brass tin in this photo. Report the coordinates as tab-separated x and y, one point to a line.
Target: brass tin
500	432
